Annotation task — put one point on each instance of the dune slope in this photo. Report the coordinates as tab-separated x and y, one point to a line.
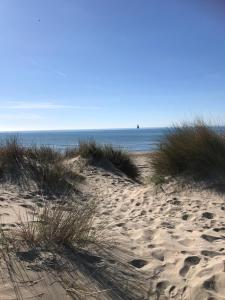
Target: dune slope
165	242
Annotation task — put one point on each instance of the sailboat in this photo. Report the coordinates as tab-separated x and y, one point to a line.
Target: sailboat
138	126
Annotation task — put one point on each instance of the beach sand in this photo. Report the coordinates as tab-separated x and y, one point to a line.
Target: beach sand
161	242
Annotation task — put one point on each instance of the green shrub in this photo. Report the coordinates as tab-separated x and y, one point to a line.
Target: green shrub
119	158
192	149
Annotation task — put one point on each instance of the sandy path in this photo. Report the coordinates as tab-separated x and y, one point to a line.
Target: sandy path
176	237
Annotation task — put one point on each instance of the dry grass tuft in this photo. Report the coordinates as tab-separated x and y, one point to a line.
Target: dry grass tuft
191	149
54	178
42	165
60	225
44	154
71	152
119	158
12	161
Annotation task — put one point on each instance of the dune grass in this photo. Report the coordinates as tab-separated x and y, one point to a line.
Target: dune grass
12	160
71	152
191	149
44	154
42	165
120	159
45	165
66	225
52	178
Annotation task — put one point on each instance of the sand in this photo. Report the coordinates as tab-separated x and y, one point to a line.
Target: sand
164	242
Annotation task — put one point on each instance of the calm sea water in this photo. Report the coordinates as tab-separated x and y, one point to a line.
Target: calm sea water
130	139
140	140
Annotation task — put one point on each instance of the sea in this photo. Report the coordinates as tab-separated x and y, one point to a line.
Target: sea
133	140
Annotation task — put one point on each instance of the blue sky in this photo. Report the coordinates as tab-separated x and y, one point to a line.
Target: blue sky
73	64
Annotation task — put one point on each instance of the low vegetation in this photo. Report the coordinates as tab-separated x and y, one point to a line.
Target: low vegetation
156	179
191	149
12	160
120	159
71	152
65	225
53	178
44	166
44	154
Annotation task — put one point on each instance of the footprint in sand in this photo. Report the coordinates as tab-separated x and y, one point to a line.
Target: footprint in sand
161	286
210	283
168	225
210	253
151	246
207	215
120	224
143	212
210	238
158	254
188	262
171	291
218	229
185	217
138	263
174	201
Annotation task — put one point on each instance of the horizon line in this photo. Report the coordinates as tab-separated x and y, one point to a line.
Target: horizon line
83	129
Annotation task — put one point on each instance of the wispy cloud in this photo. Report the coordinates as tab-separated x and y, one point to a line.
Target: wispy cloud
44	105
23	117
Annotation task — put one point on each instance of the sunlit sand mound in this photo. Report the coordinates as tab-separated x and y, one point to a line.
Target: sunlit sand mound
174	232
152	241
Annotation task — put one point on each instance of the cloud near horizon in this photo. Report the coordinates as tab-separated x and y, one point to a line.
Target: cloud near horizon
20	117
44	105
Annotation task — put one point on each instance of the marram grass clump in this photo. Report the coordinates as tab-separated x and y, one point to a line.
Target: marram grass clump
120	159
42	165
12	161
194	149
44	154
53	178
70	224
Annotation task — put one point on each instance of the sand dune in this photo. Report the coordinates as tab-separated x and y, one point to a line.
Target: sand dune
176	235
162	243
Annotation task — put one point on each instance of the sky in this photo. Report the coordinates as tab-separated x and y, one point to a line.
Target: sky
86	64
